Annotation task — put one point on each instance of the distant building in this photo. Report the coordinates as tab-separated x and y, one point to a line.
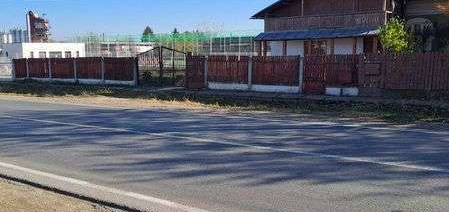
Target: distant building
42	50
14	36
38	28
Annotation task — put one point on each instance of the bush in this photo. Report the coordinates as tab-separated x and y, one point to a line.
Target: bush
395	37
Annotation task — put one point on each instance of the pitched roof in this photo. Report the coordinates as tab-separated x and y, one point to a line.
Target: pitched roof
317	34
261	14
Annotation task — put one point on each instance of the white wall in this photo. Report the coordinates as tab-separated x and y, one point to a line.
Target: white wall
53	47
343	46
276	48
294	48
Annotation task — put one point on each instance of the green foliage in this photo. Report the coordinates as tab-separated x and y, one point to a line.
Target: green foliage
147	34
395	36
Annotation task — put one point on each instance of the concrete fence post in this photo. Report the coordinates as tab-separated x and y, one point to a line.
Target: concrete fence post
13	70
103	71
27	65
136	71
206	70
250	73
301	75
50	74
75	71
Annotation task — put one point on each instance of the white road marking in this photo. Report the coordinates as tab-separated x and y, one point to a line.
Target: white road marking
265	148
114	191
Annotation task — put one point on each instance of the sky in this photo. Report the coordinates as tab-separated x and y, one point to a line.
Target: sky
77	17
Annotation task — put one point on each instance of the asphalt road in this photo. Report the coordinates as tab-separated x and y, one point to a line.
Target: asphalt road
232	163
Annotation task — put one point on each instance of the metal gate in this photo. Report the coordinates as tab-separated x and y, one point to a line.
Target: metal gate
162	66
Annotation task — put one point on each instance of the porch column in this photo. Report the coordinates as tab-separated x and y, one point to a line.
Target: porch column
332	46
354	45
259	50
375	46
284	48
264	46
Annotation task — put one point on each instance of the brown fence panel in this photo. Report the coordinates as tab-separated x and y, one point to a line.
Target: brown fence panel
62	68
38	68
329	70
20	68
229	69
88	68
119	68
195	72
276	71
419	72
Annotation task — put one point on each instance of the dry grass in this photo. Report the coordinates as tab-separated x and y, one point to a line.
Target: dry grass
16	197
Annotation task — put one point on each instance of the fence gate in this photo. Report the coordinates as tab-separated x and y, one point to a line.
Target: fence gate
162	66
5	69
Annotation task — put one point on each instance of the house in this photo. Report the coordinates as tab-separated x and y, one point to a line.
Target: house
42	50
301	27
428	20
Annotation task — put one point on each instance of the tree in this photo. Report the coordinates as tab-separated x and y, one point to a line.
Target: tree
395	37
147	33
175	31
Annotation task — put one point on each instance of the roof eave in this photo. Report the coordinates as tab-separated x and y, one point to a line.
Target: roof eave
261	14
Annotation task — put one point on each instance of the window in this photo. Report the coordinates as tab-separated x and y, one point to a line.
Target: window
31	54
68	54
315	47
55	54
42	54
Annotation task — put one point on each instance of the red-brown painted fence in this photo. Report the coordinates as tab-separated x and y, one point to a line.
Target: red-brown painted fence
329	70
89	68
422	72
119	68
425	72
228	69
276	71
62	68
20	67
195	66
104	69
38	68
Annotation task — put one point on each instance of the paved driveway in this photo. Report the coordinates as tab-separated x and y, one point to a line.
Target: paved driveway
232	163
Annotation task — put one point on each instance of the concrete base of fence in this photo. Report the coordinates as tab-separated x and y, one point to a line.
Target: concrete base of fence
84	81
228	86
6	79
350	91
258	88
276	88
339	91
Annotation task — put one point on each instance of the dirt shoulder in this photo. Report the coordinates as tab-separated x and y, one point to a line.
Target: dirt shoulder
147	98
16	197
